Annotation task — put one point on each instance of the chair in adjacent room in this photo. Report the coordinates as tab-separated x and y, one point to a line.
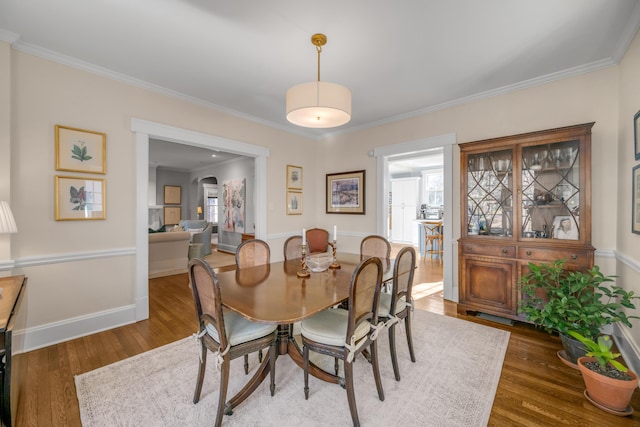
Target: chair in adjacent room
318	240
293	248
433	238
226	334
252	253
401	301
344	334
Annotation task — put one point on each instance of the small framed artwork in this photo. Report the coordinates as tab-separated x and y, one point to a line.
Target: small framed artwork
345	192
635	200
565	227
172	194
79	198
80	150
294	177
172	215
294	203
636	134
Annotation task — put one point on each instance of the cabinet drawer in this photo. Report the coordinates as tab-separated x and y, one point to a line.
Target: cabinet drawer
505	251
572	256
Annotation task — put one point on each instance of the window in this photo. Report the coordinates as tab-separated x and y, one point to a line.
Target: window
433	187
212	209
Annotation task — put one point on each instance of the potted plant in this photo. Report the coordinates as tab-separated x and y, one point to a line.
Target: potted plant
559	300
610	385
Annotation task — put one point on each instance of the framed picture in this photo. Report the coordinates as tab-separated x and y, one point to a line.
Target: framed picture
345	192
565	227
172	194
78	198
294	203
172	215
79	150
294	177
636	134
635	200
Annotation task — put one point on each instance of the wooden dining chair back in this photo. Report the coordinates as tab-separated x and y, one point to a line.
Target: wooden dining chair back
375	245
317	240
402	302
293	248
251	253
343	334
225	333
433	238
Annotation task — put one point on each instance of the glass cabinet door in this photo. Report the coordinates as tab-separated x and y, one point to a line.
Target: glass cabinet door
490	193
551	191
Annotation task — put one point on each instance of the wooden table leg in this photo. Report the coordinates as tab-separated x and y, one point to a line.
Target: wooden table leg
250	386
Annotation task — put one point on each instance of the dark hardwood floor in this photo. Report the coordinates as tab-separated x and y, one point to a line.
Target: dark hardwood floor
535	389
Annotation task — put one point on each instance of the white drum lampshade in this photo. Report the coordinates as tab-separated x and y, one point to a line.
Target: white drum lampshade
319	105
7	222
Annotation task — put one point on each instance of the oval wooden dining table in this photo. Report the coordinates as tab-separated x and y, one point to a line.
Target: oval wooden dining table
274	294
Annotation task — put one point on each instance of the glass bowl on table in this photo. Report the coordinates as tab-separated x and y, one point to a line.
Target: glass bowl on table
319	262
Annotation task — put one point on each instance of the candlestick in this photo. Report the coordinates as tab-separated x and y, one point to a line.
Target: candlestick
335	263
304	237
303	271
335	233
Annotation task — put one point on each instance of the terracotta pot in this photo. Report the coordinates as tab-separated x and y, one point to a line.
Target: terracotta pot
609	392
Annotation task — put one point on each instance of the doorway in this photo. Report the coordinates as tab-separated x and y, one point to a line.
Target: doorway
418	149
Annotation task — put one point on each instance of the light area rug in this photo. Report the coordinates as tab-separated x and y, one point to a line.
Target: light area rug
452	383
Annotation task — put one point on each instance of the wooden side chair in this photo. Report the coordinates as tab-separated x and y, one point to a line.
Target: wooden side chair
376	246
344	334
433	238
226	334
252	253
318	240
401	301
293	248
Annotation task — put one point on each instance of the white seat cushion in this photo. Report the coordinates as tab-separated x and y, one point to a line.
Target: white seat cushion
330	327
240	330
385	303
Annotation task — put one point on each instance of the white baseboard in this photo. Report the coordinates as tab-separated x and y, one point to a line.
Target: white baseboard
53	333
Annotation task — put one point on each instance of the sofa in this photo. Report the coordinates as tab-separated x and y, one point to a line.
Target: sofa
168	253
200	230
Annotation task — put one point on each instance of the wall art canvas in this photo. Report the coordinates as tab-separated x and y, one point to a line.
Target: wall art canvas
233	205
80	150
79	198
294	177
345	192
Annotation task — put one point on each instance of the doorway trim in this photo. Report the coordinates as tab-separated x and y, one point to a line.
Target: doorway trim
382	154
144	130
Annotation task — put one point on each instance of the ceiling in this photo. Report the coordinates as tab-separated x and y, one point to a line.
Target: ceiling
399	58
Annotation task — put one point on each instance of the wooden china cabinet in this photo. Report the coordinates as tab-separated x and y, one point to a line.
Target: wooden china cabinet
524	198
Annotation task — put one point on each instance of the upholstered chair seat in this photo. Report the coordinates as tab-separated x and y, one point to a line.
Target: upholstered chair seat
385	305
240	330
330	327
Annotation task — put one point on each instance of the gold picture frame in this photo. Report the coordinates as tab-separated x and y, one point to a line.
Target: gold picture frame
345	193
294	202
635	200
172	215
80	150
78	198
172	194
294	177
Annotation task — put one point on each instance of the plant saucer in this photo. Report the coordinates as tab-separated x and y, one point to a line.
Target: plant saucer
562	355
624	413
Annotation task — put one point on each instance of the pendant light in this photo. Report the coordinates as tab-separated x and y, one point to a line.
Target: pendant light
318	104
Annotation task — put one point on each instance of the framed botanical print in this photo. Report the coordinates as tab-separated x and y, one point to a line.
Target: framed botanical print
294	203
78	198
294	177
172	194
172	215
80	150
345	192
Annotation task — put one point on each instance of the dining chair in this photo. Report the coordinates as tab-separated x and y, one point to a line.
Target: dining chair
318	240
252	253
293	248
226	334
433	238
399	298
344	334
374	245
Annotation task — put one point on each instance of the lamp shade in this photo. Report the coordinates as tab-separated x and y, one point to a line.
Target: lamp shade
7	222
318	105
199	210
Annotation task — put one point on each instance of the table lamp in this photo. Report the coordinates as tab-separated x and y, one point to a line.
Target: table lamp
7	222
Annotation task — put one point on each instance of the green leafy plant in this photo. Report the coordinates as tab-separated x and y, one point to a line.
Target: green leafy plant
560	300
80	152
600	350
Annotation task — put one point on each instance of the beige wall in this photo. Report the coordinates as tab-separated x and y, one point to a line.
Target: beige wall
65	287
